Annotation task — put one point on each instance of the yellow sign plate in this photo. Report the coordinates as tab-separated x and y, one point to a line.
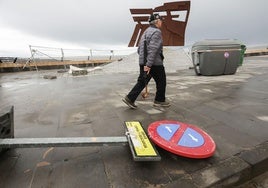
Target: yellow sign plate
140	140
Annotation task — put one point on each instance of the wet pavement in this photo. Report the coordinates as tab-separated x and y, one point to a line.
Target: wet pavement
260	181
232	109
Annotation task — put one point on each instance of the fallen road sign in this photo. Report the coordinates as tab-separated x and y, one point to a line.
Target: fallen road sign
182	139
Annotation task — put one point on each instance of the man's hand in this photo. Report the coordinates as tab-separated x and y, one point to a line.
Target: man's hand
147	69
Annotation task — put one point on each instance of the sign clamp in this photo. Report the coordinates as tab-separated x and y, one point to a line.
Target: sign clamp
141	147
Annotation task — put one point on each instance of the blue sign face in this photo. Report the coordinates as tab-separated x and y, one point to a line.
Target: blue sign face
167	131
191	138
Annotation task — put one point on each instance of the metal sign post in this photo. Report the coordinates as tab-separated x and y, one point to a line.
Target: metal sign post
140	145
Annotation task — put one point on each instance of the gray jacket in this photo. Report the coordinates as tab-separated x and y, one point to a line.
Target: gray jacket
154	42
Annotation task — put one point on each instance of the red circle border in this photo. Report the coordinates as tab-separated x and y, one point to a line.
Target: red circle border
204	151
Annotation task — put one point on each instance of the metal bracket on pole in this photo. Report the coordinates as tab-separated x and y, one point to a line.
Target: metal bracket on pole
140	145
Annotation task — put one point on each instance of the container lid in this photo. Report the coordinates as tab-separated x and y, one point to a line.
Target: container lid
216	43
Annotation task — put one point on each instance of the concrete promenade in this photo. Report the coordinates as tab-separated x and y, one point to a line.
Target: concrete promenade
232	109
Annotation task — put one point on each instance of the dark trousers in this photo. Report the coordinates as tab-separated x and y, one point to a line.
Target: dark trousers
159	75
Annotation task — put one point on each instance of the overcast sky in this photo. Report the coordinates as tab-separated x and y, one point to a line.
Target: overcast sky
108	24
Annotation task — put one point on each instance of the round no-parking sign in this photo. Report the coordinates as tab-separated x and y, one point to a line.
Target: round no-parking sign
182	139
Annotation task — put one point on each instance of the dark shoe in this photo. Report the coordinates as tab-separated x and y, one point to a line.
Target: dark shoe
129	103
161	104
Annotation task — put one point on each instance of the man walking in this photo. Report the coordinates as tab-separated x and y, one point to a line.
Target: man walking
151	58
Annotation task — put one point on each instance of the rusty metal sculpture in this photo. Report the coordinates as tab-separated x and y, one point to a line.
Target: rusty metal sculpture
173	30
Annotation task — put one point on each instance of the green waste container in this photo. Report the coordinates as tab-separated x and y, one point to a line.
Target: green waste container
213	57
243	49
